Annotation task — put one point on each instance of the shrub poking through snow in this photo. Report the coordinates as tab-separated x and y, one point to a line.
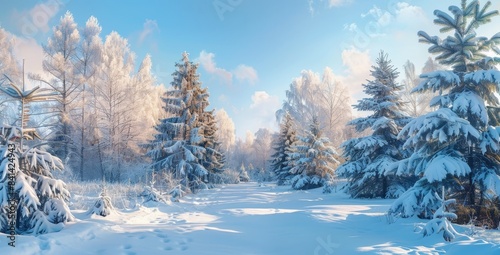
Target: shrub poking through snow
441	220
176	193
103	205
243	174
329	184
152	194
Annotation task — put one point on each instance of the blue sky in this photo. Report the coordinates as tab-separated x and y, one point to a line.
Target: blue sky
249	50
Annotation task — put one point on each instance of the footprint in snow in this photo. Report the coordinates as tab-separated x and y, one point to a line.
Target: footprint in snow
89	236
44	245
127	247
162	235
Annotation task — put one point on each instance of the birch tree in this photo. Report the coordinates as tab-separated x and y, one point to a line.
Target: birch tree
60	62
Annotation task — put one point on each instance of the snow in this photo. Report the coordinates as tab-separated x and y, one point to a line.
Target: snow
442	165
252	219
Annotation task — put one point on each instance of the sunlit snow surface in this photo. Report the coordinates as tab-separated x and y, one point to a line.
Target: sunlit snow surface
251	219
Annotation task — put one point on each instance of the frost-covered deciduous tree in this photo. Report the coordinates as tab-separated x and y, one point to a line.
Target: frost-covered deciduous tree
242	152
225	130
313	159
313	95
455	146
283	147
60	62
148	103
11	69
261	151
122	107
179	145
88	56
114	104
369	159
8	64
417	104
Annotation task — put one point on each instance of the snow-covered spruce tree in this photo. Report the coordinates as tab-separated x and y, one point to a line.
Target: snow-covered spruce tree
243	174
441	220
102	206
180	147
214	160
369	158
455	146
313	159
283	146
40	199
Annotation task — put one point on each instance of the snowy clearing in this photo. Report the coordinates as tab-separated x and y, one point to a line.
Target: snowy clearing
252	219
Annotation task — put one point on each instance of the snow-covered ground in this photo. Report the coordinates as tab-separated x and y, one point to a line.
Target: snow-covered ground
251	219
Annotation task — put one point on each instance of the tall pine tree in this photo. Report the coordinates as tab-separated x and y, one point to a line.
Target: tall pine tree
283	146
369	158
313	159
214	160
455	146
184	144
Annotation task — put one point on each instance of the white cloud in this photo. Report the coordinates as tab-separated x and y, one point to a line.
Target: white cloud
223	98
334	3
330	3
242	73
148	28
246	73
258	98
32	53
207	61
263	108
311	6
410	14
402	13
357	69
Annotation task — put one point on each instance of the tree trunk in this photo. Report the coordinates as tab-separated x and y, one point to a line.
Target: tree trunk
82	135
384	187
472	188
